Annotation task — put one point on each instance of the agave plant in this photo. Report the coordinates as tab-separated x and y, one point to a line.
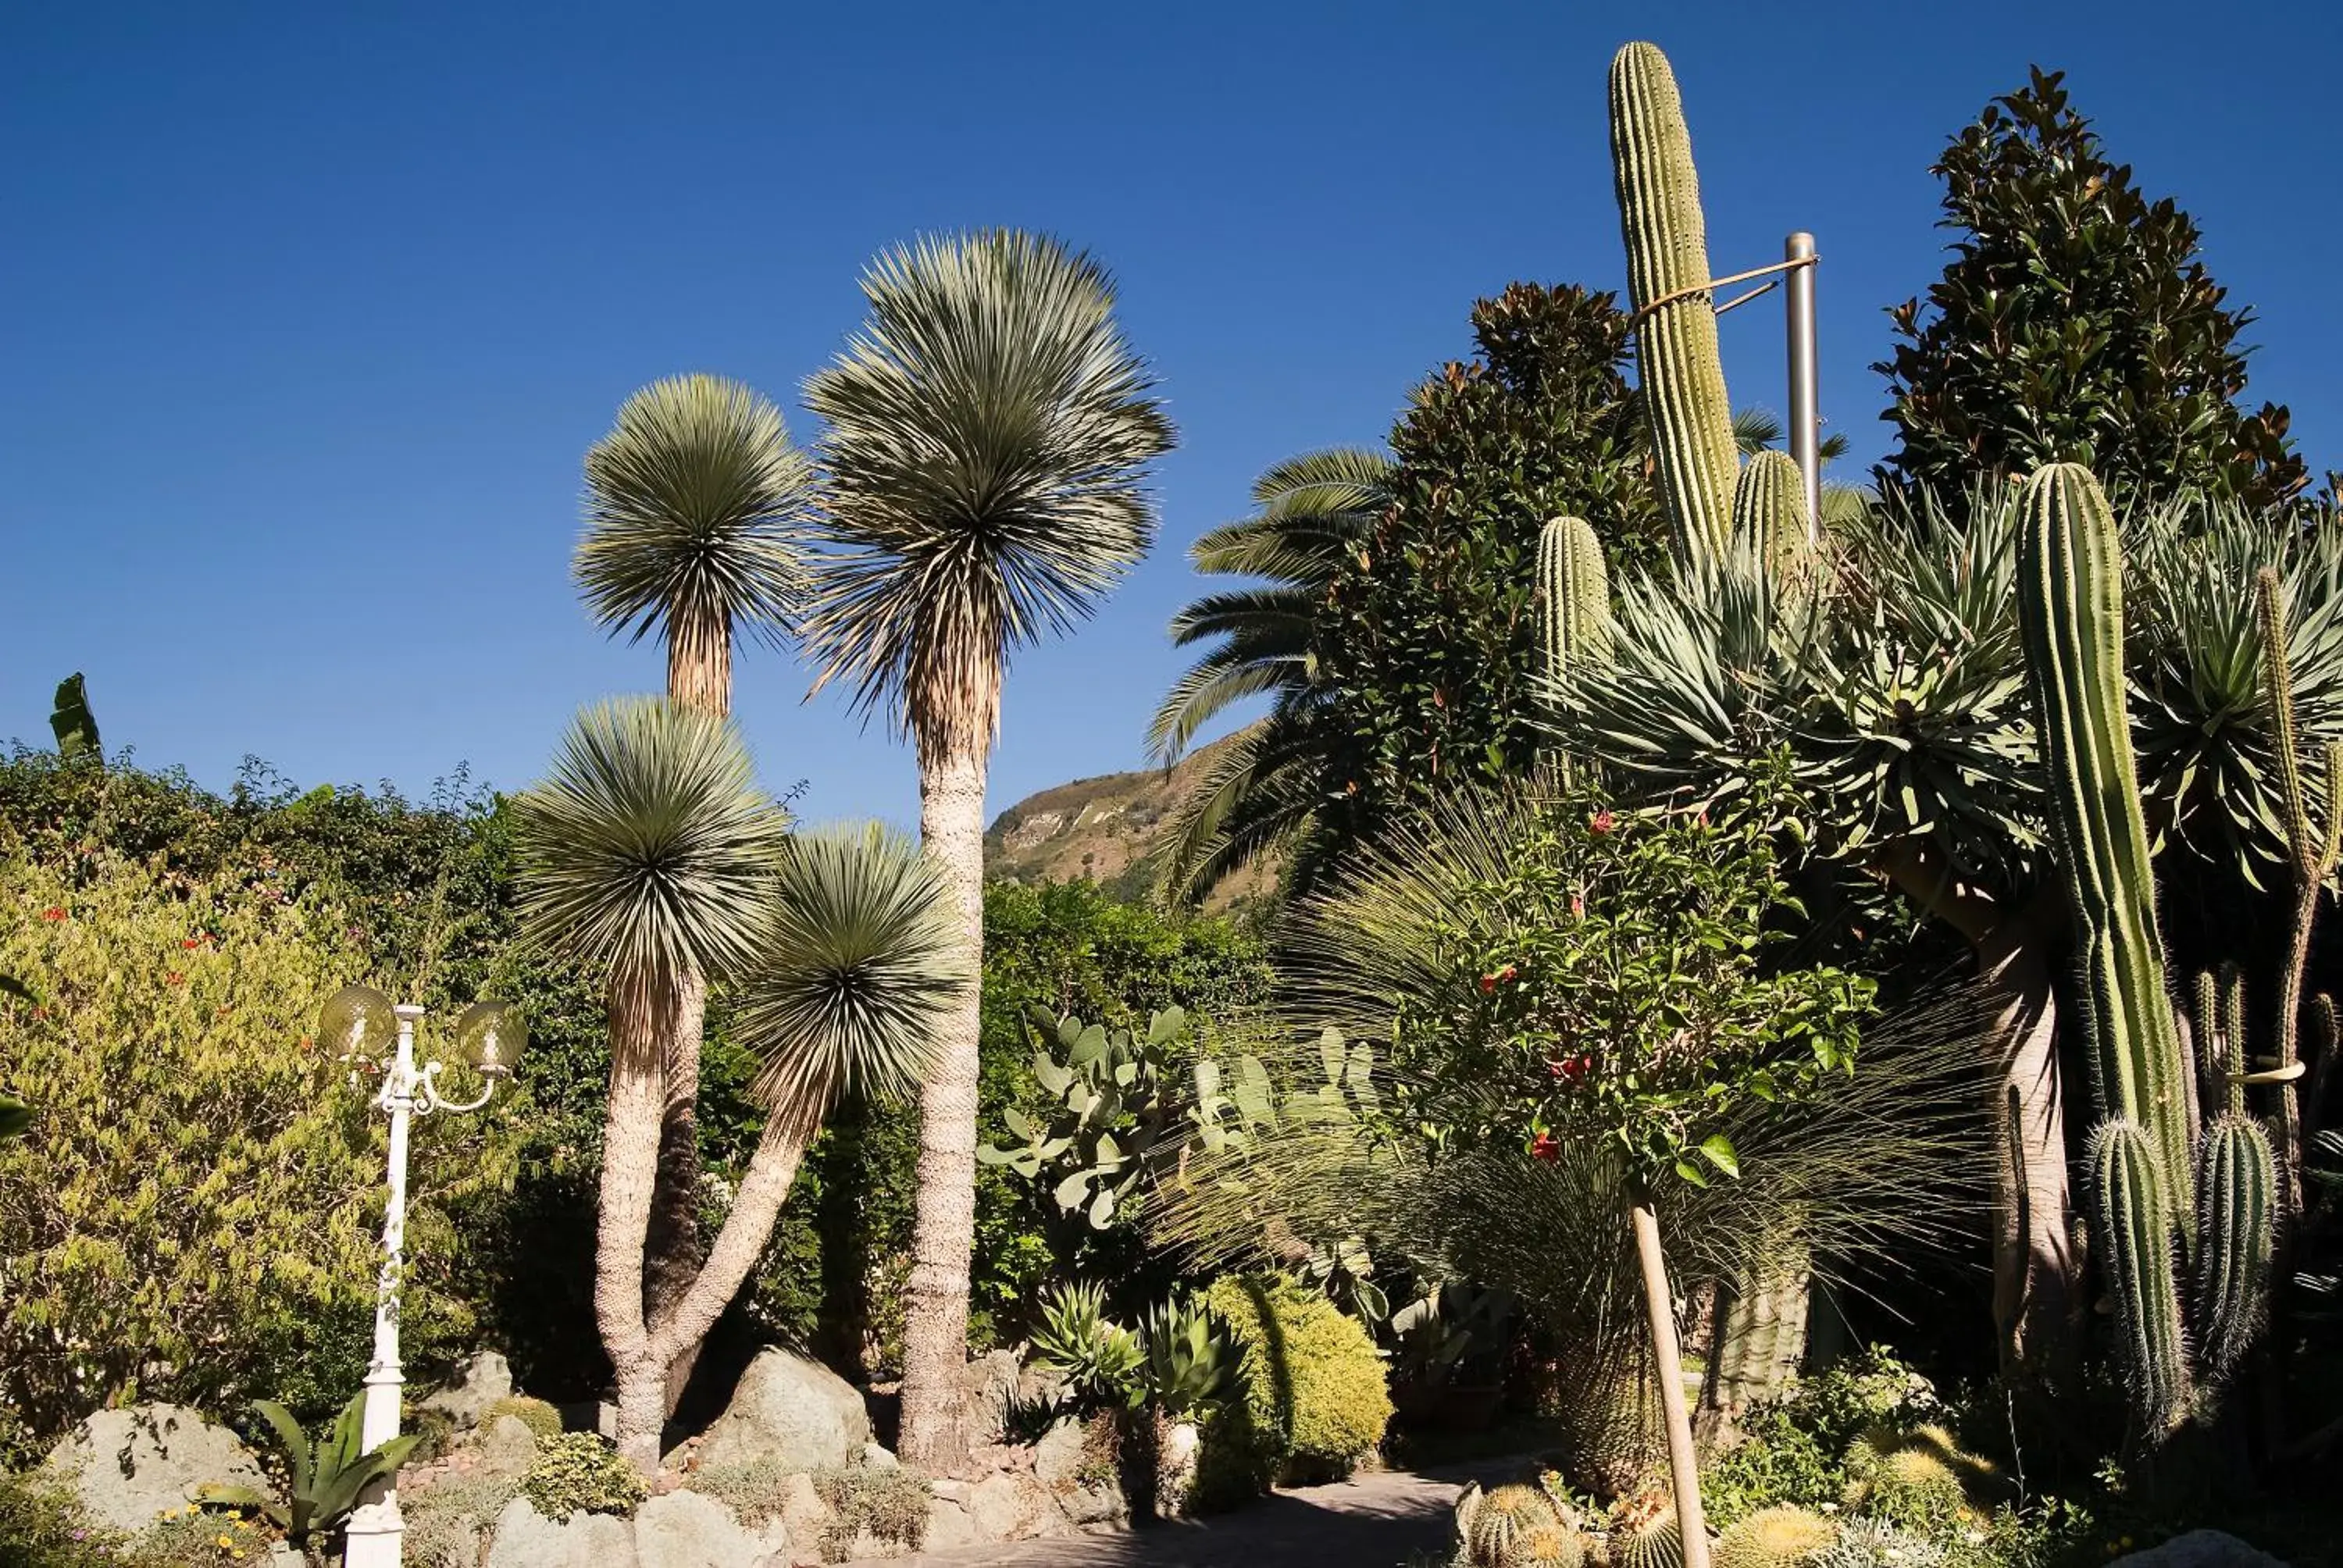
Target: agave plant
1101	1359
323	1480
1191	1358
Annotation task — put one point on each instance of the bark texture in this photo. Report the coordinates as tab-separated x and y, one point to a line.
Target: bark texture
641	1007
1667	1365
935	1331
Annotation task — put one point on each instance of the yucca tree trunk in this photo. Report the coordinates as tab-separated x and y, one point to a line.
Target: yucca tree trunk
1667	1364
2036	1264
641	1007
935	1331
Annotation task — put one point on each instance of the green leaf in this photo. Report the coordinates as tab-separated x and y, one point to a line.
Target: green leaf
1691	1172
1717	1150
72	724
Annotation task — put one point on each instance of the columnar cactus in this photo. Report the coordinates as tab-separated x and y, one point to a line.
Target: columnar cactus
2177	1191
1667	260
1769	513
1576	593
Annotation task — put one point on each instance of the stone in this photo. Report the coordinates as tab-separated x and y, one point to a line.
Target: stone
802	1509
997	1507
479	1383
878	1456
528	1538
949	1525
2200	1549
1094	1504
692	1530
1057	1457
792	1410
507	1449
129	1466
989	1389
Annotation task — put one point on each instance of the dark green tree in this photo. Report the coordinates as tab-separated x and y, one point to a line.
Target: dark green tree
1425	646
2075	323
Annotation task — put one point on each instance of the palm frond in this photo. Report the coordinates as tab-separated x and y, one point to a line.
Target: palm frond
1226	676
862	960
1259	793
989	432
693	506
647	848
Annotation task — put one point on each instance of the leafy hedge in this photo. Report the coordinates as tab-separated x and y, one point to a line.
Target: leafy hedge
1312	1400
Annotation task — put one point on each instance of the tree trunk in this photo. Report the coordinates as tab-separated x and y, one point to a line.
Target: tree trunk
935	1331
641	1010
1683	1468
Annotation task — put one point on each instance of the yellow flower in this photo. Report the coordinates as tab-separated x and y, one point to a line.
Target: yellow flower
224	1539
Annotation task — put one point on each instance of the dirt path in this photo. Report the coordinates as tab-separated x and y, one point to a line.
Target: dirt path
1372	1522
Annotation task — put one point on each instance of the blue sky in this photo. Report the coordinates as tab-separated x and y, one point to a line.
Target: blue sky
310	312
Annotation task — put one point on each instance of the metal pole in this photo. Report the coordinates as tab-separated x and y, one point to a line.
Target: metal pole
1805	412
376	1527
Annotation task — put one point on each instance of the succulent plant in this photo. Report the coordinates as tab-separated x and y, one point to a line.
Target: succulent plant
1655	1543
1769	511
1505	1519
1775	1538
1575	592
1192	1358
1875	1543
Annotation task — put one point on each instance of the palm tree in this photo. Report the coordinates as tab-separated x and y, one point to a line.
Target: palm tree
694	503
989	428
1261	789
649	853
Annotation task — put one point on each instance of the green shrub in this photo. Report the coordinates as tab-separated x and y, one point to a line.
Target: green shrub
542	1419
577	1472
192	1213
1313	1401
445	1518
41	1526
753	1489
201	1540
890	1502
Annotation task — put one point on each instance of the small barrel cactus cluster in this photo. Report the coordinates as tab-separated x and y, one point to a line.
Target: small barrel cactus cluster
1519	1525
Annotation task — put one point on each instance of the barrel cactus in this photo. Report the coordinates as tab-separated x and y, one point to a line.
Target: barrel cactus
1504	1522
1655	1543
1775	1538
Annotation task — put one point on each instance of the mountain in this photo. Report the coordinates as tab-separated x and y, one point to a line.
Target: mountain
1101	829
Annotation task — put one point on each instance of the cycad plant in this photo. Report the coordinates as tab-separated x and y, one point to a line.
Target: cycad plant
1258	791
649	853
989	431
695	503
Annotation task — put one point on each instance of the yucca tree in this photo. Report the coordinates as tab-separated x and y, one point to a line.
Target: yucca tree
648	852
1259	790
989	428
695	506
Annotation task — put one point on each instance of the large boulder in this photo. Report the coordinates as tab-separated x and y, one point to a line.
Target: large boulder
479	1383
129	1466
791	1411
2200	1549
528	1538
691	1530
506	1449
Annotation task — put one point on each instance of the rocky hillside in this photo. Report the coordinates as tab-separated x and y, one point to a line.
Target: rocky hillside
1101	829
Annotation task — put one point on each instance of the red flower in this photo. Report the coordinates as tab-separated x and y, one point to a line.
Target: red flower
1545	1147
1601	822
175	977
199	940
1489	982
53	913
1577	907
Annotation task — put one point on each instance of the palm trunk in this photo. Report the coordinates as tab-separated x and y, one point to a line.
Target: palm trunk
641	1011
1683	1468
935	1331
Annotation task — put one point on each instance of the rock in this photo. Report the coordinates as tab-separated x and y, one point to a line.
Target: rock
878	1456
789	1409
997	1507
802	1509
2200	1549
691	1530
528	1538
1095	1504
949	1525
128	1465
1059	1455
507	1449
479	1383
989	1387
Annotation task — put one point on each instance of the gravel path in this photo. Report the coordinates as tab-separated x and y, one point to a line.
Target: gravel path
1370	1522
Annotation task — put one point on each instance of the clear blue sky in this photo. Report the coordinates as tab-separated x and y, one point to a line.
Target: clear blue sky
309	311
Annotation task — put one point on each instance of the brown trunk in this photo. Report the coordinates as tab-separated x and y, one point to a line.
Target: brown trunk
2036	1264
935	1331
1683	1466
641	1010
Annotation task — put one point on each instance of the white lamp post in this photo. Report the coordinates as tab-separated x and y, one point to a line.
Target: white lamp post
360	1025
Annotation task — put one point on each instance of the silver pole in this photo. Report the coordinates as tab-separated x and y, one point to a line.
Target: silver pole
1805	412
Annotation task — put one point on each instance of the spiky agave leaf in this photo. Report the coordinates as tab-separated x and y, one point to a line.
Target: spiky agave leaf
862	958
694	504
989	428
648	847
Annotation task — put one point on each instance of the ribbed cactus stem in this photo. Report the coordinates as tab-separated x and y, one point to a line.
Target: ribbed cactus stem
2135	1224
2070	610
1577	592
1684	391
2313	848
1769	514
2237	1187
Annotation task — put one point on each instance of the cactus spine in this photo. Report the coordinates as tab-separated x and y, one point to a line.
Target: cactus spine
1769	514
2236	1220
1655	1543
1500	1529
1675	343
1577	595
1775	1538
2135	1225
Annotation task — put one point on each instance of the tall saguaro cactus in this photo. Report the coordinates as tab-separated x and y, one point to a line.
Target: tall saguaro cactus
2169	1202
1576	594
1667	277
1769	511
